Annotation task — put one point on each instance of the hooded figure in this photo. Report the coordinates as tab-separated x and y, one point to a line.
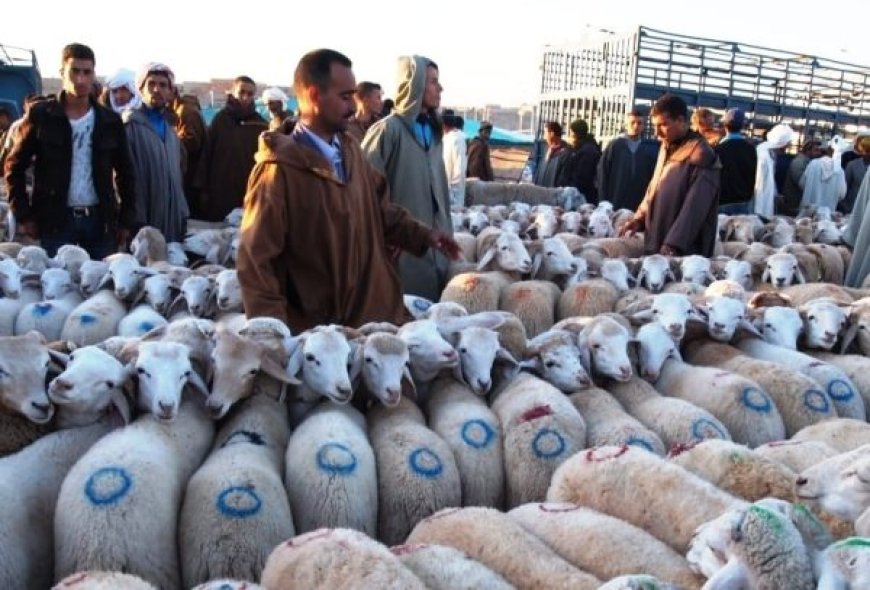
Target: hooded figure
857	235
406	148
127	79
765	181
824	184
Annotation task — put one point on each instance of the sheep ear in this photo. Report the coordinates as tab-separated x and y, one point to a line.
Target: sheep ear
119	403
140	295
487	257
641	317
198	384
144	271
409	388
849	336
749	327
273	369
155	334
640	276
104	282
456	371
765	276
675	354
357	355
58	357
701	311
503	355
531	364
799	275
174	303
536	264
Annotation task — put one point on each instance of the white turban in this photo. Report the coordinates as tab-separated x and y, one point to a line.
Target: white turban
154	67
274	93
124	77
780	136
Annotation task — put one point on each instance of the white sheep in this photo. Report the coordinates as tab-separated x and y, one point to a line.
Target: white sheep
125	273
70	258
139	321
780	325
739	271
533	302
724	316
541	429
587	299
91	274
654	272
197	295
671	310
502	250
796	455
33	258
608	424
444	568
385	367
627	482
552	259
94	319
498	542
840	485
103	581
556	357
228	291
47	317
843	434
330	472
846	564
125	494
417	474
148	246
235	508
856	367
323	359
475	291
824	321
13	278
696	269
599	225
481	355
157	292
781	269
24	361
603	343
175	254
474	434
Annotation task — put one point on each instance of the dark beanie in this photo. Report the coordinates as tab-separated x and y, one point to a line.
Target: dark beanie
579	127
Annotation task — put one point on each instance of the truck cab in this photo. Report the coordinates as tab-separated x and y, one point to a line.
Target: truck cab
19	78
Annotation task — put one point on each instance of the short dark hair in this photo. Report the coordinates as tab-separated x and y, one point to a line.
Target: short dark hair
449	120
244	80
77	51
363	89
637	112
315	69
554	127
810	144
671	105
460	122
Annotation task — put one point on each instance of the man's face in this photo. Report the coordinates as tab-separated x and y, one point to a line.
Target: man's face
634	125
815	151
373	102
122	95
670	130
156	91
485	133
275	106
5	121
244	93
432	90
78	76
334	106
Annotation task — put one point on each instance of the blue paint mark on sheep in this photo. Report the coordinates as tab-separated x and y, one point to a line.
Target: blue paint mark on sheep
244	437
755	399
336	459
817	401
636	441
108	485
840	391
548	444
239	502
87	318
41	310
425	463
477	433
145	327
702	427
421	304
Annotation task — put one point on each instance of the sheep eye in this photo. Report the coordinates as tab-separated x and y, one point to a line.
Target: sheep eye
655	312
812	318
253	372
550	364
550	253
110	384
369	360
463	350
310	358
3	373
141	371
596	346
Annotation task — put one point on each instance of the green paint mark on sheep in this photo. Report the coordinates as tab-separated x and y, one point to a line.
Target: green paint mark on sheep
737	457
860	542
809	517
773	520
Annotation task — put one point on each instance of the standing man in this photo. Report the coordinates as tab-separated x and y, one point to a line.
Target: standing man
479	160
369	100
229	154
157	155
581	161
191	130
792	193
704	123
549	171
79	154
627	165
455	159
318	218
276	103
679	213
406	148
739	161
855	170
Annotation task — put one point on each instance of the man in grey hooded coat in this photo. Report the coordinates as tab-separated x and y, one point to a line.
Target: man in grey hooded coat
406	147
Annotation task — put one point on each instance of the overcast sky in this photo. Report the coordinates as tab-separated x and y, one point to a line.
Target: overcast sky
489	52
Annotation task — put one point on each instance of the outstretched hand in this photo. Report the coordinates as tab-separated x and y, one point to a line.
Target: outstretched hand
445	244
631	228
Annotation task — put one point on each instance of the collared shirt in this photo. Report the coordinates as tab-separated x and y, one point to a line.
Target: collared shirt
331	151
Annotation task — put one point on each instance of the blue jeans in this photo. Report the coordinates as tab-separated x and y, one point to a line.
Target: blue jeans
87	231
734	209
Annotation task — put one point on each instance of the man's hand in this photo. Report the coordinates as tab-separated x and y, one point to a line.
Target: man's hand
445	244
632	227
29	229
666	250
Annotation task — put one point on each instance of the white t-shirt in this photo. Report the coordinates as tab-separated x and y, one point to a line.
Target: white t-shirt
81	184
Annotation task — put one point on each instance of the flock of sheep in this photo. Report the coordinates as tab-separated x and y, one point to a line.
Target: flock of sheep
570	414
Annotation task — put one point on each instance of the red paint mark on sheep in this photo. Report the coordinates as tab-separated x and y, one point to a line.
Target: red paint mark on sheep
470	283
522	293
535	413
593	456
77	580
680	448
784	443
312	536
408	549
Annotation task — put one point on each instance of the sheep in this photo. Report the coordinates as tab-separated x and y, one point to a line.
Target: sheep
655	270
796	455
175	254
856	367
474	291
541	429
846	564
798	398
555	356
743	228
675	421
33	258
336	558
211	244
637	582
235	508
474	434
524	561
780	325
533	302
603	343
502	250
56	283
70	258
843	434
30	480
197	295
13	278
742	406
444	568
125	273
157	292
724	316
607	423
551	258
139	321
9	311
858	331
632	484
46	317
194	333
103	581
91	274
544	223
610	548
94	320
148	246
163	369
824	321
588	298
417	474
125	493
848	402
600	225
736	469
326	362
671	310
839	485
468	244
781	269
484	363
696	269
24	362
739	271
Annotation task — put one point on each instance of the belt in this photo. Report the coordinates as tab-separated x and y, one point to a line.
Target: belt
83	211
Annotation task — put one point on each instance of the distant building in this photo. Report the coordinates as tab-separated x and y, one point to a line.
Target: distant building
519	118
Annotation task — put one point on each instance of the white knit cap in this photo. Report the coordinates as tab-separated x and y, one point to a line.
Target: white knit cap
780	136
154	67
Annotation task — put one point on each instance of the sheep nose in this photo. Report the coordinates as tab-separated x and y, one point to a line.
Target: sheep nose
223	301
450	355
625	372
573	267
651	376
583	380
527	265
801	481
483	384
165	409
656	287
780	282
61	384
674	328
718	326
829	335
344	392
216	410
44	408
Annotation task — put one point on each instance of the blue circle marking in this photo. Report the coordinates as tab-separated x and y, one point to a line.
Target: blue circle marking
816	401
421	304
840	391
548	444
41	309
424	462
702	426
244	437
239	502
106	486
477	433
146	327
336	459
755	399
637	441
87	318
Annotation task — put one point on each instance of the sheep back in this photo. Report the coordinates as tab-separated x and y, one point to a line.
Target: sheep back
843	434
533	302
444	568
587	299
474	291
608	424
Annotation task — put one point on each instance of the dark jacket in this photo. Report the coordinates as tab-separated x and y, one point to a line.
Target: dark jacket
791	190
549	170
681	205
579	167
45	141
479	160
623	174
739	161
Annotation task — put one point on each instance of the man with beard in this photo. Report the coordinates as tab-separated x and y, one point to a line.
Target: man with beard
318	217
229	154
